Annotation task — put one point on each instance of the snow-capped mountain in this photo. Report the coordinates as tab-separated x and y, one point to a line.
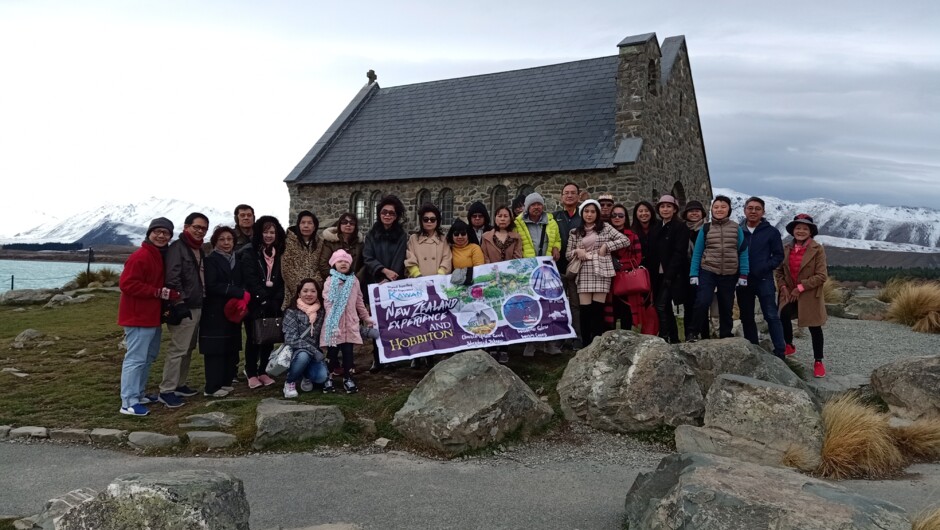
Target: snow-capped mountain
118	224
858	226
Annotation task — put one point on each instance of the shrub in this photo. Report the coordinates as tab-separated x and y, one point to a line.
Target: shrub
919	440
107	274
832	292
917	305
927	520
858	441
889	292
83	278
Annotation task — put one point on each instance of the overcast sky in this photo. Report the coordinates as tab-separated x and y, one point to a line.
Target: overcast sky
215	102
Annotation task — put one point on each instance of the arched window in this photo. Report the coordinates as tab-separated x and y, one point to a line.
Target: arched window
678	191
374	201
652	72
500	198
357	205
445	202
423	197
526	189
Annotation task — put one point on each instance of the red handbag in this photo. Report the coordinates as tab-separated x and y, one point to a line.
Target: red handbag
629	282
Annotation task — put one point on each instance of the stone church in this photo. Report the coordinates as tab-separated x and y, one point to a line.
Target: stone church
626	124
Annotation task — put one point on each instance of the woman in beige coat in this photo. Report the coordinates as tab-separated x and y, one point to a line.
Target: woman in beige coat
800	279
592	243
428	252
501	243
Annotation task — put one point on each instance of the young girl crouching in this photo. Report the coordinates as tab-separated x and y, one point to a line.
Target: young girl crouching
345	310
302	322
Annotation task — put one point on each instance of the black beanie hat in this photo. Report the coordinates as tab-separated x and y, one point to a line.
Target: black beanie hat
160	222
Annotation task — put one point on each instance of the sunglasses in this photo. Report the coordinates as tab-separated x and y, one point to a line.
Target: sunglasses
347	222
388	213
618	215
429	219
460	234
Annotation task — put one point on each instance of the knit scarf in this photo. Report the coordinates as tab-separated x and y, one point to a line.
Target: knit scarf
310	310
338	298
270	261
230	257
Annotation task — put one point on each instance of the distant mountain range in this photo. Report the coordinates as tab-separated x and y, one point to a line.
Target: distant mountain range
848	226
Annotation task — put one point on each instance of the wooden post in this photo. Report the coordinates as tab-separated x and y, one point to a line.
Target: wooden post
91	256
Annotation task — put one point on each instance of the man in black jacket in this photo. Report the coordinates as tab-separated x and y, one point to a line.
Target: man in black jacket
765	254
184	273
569	218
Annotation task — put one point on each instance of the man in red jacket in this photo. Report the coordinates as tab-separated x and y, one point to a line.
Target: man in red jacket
142	295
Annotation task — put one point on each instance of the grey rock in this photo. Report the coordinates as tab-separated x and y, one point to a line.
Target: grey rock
94	285
467	402
826	388
711	358
183	500
26	336
209	419
70	435
5	431
867	308
29	432
761	420
19	310
709	492
910	387
58	300
80	352
279	420
626	382
211	439
107	436
54	509
838	311
152	440
381	442
27	296
368	426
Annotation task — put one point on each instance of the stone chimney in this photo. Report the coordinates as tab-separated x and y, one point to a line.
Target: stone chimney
637	82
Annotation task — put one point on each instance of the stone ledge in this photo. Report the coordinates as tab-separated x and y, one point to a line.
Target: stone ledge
70	435
29	432
211	439
152	440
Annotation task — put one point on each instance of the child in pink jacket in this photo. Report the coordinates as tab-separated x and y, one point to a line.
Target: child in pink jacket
342	300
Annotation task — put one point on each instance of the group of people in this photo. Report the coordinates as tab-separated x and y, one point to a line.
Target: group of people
314	282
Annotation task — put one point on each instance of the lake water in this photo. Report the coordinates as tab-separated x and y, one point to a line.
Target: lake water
44	274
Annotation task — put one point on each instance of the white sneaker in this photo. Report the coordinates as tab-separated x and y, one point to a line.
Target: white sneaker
290	390
220	393
552	348
306	385
529	350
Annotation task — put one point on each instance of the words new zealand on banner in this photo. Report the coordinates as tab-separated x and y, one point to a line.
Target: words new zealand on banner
520	300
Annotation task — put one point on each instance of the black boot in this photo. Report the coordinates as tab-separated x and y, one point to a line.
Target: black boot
587	324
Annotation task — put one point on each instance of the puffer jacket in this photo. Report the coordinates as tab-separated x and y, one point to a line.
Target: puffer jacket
383	249
250	272
552	236
764	250
140	280
720	249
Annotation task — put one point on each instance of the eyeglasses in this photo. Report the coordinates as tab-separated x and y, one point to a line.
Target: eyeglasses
388	213
460	234
429	219
199	228
754	208
162	233
618	215
347	222
606	203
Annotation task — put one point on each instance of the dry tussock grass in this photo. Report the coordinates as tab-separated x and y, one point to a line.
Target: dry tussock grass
801	458
917	305
919	440
890	291
858	442
832	292
927	520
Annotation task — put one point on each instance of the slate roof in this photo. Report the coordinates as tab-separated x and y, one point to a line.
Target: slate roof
550	118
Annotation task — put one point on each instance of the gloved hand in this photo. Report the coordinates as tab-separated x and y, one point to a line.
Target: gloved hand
180	311
693	280
246	297
742	282
166	293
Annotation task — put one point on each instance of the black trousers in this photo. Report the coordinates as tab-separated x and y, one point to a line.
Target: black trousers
787	313
332	355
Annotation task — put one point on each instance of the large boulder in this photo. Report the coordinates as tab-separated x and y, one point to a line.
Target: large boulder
626	382
867	308
711	358
755	421
709	492
910	387
28	296
469	401
181	500
48	518
286	421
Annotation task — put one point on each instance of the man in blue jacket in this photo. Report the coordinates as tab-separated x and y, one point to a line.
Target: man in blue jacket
765	249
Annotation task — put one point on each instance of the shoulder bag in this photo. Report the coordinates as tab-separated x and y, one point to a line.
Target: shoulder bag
626	282
279	362
267	330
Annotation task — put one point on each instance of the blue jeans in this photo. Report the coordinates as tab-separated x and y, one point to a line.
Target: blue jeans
143	346
766	294
707	282
309	365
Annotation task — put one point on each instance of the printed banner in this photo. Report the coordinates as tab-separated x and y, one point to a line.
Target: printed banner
520	300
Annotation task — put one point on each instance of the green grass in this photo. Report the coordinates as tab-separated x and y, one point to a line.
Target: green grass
68	390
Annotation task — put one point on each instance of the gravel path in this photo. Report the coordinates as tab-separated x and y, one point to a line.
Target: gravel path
860	346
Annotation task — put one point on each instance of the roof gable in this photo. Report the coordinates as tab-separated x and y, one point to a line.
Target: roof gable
550	118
